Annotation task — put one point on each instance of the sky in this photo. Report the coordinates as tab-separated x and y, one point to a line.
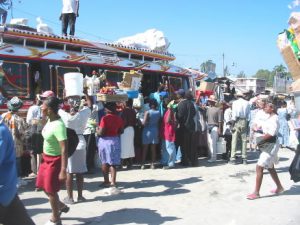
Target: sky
245	31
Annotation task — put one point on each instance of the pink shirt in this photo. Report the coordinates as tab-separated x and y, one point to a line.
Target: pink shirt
168	128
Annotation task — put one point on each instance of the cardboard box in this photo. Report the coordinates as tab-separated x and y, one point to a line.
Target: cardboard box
206	86
291	61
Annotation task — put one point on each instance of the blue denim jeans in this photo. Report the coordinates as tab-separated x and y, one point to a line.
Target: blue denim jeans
168	153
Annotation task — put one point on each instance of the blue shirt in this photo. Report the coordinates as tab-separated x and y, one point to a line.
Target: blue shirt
8	171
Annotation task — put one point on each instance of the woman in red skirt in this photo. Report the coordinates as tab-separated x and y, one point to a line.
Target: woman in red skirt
52	171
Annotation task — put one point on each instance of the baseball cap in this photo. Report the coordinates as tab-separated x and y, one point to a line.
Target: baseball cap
47	94
180	92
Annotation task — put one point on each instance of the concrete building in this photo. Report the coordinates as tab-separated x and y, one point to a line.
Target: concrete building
255	84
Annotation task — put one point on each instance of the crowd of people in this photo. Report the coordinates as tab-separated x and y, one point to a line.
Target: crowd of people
65	137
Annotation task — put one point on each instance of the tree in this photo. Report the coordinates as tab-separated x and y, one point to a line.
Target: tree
269	75
280	69
241	74
265	75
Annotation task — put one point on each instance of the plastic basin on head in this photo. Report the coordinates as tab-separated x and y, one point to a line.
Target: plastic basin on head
73	84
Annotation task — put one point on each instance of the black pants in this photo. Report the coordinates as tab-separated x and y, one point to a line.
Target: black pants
68	19
186	141
228	139
15	213
90	150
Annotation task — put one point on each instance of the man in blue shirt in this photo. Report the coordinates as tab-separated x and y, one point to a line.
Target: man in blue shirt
12	210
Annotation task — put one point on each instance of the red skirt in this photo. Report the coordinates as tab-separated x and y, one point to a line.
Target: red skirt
48	174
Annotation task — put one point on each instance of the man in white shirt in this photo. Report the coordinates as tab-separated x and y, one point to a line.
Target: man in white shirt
68	16
240	116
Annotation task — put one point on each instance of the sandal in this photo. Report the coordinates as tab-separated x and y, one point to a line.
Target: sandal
277	191
253	196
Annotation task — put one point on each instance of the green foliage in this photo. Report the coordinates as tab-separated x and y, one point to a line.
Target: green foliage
269	75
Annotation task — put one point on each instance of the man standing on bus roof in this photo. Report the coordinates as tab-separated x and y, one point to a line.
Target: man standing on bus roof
5	5
68	16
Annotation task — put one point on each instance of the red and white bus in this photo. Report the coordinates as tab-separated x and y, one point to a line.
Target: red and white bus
32	62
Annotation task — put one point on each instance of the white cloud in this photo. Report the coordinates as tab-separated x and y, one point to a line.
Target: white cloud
294	4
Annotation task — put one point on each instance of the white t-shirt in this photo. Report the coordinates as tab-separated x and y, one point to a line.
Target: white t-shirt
270	125
69	6
76	122
259	117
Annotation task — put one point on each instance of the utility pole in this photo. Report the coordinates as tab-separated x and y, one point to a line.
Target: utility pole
223	56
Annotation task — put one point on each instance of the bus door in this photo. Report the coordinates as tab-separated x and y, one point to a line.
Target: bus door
59	78
175	83
14	79
35	78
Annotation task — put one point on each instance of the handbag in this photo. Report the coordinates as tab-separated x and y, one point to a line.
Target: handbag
295	167
221	146
266	145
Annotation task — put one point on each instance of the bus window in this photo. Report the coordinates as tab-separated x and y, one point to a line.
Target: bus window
60	71
113	77
175	83
14	79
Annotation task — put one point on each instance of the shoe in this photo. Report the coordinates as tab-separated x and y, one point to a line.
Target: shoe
32	175
245	162
253	196
53	223
277	191
211	160
152	166
21	182
69	201
104	185
64	209
232	162
142	167
81	199
112	191
168	167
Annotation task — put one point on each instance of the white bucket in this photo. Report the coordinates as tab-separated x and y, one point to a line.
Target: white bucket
73	84
297	100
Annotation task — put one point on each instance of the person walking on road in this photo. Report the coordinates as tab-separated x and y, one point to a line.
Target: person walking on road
269	145
52	172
